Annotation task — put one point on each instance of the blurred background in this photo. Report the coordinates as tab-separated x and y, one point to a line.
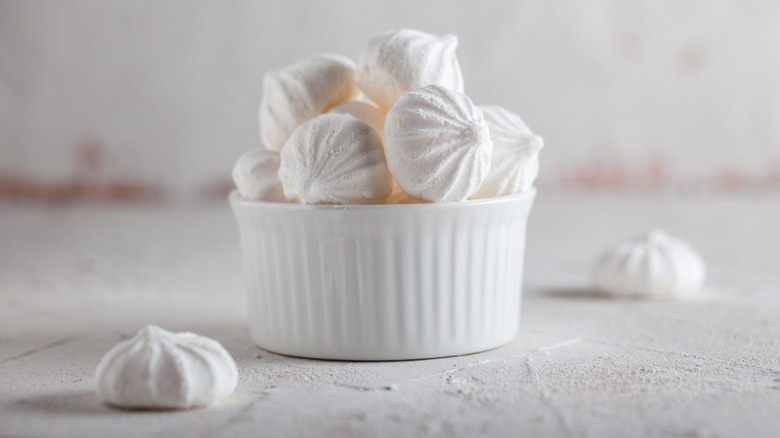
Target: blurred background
153	101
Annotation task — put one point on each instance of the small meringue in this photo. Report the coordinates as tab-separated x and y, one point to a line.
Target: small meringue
256	175
515	161
164	370
334	159
405	60
654	265
437	144
299	92
365	112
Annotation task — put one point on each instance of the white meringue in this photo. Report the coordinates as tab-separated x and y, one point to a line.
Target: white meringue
405	60
515	161
256	175
655	265
437	144
165	370
334	159
365	112
299	92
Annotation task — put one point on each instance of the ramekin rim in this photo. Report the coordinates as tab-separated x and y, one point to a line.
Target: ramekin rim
233	197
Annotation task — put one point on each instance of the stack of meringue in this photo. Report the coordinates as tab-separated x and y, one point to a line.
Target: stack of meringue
394	128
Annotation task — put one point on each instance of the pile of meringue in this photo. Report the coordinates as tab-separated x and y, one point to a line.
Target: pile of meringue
395	128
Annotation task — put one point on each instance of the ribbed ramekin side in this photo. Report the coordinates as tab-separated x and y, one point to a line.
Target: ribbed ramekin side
511	233
255	269
488	275
451	284
383	285
293	283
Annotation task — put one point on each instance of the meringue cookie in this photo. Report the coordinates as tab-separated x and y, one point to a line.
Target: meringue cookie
256	175
334	159
405	60
515	161
655	265
437	144
165	370
365	112
297	93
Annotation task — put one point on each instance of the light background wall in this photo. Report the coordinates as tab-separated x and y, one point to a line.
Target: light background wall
652	94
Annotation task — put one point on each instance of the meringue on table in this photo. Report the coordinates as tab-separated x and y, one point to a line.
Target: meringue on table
654	265
437	144
158	369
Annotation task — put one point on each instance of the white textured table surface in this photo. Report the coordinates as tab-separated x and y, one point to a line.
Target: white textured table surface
74	281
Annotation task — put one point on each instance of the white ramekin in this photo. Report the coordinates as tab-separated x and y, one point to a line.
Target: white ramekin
383	282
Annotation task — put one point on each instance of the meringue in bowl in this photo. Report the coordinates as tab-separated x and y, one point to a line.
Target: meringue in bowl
383	282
